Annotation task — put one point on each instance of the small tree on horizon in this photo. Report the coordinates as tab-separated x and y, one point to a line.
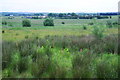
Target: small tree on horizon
26	23
48	22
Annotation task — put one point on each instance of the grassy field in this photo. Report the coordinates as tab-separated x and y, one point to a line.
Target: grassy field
71	27
62	51
17	21
21	33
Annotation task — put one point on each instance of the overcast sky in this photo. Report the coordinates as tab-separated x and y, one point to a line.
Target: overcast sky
59	5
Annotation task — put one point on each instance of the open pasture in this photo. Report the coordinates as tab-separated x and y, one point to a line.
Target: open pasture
17	21
75	49
15	31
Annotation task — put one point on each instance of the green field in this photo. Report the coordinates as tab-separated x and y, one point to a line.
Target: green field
61	51
71	27
17	21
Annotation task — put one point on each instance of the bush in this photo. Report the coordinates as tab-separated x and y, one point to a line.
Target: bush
91	23
26	37
63	22
41	63
48	22
115	23
98	32
81	65
4	23
7	49
23	64
3	31
107	66
10	24
26	23
84	27
109	24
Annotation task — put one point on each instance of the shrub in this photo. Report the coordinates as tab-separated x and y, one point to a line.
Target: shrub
40	66
26	37
3	31
57	71
7	49
109	24
84	27
63	22
17	34
26	23
23	64
115	23
4	23
91	23
98	32
81	65
10	24
110	44
107	66
48	22
103	70
7	73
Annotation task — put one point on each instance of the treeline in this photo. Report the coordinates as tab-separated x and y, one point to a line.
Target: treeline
77	16
62	15
38	14
110	14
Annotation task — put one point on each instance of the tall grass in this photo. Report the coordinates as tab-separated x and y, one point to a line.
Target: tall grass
60	57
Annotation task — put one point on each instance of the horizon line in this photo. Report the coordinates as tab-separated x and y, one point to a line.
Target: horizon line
53	12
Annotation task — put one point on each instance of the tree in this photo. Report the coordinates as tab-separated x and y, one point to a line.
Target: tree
48	22
26	23
61	15
52	15
73	14
36	14
4	23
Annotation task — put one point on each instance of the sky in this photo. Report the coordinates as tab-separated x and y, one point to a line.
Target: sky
59	6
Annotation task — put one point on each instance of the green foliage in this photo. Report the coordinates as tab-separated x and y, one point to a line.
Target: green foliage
48	22
107	66
84	27
10	24
4	23
24	64
82	65
26	37
46	58
62	55
7	72
108	44
91	23
40	66
98	31
63	22
26	23
115	23
109	24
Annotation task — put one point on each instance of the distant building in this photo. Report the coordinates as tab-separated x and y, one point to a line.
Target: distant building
42	17
36	17
10	17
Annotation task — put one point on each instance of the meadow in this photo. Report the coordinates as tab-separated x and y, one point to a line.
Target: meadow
76	49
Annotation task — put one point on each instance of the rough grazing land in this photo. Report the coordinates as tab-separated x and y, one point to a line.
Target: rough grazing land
76	49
